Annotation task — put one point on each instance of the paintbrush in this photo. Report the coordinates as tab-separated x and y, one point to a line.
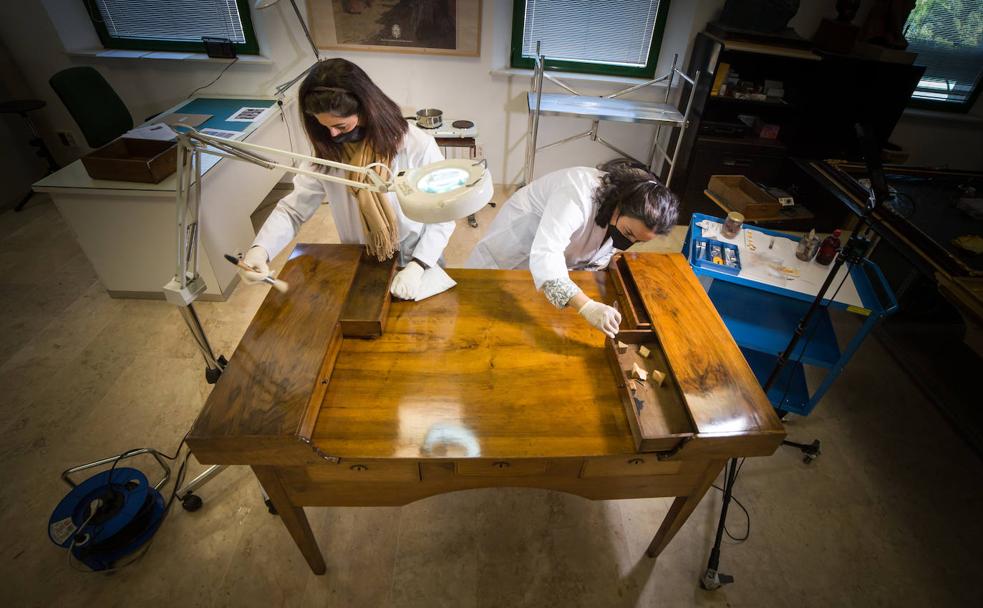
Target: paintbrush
277	284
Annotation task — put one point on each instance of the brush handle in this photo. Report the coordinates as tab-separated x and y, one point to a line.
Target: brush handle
277	284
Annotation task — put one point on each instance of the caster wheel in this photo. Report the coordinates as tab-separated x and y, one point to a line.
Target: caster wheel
270	507
191	502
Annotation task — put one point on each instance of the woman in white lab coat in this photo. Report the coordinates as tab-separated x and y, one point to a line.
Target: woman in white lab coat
340	106
575	219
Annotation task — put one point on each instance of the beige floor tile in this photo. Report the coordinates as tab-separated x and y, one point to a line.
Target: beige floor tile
888	516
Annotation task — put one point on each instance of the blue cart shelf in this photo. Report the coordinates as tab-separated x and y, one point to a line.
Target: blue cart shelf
762	318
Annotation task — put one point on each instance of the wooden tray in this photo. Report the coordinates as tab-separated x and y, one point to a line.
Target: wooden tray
132	160
367	305
657	415
633	313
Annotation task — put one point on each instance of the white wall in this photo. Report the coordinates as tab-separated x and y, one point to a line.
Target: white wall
461	86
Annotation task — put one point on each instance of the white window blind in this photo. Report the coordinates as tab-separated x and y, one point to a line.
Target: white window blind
175	20
613	32
948	37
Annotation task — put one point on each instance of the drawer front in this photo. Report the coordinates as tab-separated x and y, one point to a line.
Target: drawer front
625	466
365	470
501	468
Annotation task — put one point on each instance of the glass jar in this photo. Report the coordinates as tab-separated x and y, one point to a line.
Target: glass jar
732	224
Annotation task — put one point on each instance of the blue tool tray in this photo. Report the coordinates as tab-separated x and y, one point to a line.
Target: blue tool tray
704	257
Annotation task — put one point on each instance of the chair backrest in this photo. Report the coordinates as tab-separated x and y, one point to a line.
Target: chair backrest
93	103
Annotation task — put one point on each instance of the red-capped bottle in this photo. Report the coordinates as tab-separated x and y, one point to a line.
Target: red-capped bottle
827	251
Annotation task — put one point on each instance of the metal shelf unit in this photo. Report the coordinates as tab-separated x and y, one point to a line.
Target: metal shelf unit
612	109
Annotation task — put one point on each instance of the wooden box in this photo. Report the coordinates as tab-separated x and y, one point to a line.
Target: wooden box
367	305
738	193
132	160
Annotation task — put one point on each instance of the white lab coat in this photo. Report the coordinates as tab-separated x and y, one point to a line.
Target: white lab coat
424	242
548	227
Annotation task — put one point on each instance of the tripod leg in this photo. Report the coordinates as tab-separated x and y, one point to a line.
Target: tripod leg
681	509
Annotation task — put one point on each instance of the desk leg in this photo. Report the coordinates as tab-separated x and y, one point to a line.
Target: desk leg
293	517
681	509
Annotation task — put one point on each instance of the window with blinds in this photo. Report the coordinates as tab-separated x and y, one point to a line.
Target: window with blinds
620	37
172	24
948	37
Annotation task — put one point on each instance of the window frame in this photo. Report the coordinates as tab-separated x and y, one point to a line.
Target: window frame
647	71
250	47
937	105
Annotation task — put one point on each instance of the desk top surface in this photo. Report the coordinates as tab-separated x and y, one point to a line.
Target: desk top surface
487	369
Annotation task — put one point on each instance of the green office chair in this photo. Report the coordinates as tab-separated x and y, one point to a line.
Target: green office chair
93	103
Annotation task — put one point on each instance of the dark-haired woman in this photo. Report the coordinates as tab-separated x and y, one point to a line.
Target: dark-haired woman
349	119
575	219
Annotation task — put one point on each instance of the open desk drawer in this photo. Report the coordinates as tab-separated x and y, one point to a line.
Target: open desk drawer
656	413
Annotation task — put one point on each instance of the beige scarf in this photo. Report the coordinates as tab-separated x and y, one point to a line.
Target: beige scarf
378	218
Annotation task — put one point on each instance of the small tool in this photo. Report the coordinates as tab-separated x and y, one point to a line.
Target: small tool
277	284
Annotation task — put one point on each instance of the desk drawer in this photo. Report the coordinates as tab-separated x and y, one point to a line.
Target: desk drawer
365	470
501	468
625	466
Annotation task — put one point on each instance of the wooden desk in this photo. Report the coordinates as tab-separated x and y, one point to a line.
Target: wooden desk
484	385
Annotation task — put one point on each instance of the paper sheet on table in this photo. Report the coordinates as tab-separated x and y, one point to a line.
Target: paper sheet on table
434	281
158	131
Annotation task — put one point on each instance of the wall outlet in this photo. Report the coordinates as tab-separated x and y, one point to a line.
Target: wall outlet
67	138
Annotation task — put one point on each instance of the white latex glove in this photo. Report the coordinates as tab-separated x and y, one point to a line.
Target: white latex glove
407	281
258	259
601	316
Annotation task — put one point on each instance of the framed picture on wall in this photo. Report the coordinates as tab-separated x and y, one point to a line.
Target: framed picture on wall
432	27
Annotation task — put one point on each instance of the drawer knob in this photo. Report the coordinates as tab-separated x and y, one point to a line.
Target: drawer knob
636	461
501	464
359	467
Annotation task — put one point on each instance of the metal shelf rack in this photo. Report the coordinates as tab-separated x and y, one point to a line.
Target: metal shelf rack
609	108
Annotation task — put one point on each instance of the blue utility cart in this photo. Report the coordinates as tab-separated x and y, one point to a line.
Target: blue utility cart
763	302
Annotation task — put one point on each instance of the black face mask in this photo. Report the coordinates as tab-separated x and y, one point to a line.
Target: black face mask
356	134
619	240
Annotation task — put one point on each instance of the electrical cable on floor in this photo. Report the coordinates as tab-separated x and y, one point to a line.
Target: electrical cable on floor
178	482
747	514
214	80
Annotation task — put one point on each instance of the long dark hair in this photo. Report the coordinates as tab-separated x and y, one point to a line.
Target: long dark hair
638	193
343	89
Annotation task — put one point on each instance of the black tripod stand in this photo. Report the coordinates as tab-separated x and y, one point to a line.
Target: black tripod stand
852	254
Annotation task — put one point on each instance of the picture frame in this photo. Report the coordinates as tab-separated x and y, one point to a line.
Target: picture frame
429	27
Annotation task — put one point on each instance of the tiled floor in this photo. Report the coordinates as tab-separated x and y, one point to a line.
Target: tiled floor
888	516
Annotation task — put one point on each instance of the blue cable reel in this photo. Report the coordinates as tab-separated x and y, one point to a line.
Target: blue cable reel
109	515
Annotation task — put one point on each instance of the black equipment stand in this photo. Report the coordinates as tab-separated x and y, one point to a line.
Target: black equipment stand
853	253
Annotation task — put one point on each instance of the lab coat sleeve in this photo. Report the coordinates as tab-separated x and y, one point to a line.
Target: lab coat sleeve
292	211
561	218
434	237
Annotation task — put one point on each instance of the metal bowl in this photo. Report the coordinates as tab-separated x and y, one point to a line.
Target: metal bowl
429	118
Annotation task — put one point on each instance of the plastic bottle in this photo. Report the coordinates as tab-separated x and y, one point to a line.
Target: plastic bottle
807	246
827	251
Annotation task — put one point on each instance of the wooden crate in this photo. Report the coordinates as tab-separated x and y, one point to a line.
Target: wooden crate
132	160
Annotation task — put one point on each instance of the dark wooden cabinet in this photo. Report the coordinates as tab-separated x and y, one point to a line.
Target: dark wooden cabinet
824	96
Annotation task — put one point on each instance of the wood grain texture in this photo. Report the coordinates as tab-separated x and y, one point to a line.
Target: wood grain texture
265	389
721	392
487	369
367	305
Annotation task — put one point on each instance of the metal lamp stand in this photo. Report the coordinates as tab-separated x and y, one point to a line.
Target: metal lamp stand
855	251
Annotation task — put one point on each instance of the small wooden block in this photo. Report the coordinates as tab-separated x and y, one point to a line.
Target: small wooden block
632	386
643	351
638	372
621	347
657	377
